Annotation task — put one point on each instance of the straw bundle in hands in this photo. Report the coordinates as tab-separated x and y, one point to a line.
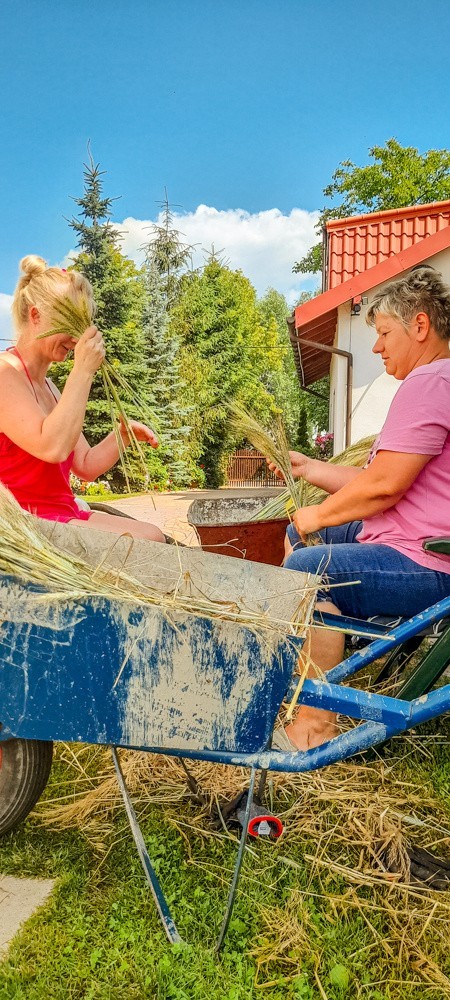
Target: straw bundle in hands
73	319
273	444
284	505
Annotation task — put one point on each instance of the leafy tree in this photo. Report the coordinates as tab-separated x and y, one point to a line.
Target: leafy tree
226	353
399	176
284	384
282	381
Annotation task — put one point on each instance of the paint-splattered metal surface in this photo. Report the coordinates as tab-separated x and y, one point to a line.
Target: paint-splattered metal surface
104	671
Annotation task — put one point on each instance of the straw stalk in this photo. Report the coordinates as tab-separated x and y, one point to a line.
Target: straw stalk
73	319
273	444
29	556
283	505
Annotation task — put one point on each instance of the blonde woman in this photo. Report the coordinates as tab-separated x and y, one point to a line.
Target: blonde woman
41	439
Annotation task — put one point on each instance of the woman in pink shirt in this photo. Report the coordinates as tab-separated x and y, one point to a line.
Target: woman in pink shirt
41	439
375	519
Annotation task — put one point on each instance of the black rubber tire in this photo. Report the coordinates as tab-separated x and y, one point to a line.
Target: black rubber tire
24	771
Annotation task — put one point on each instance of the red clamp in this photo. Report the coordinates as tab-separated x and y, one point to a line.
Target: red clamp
265	826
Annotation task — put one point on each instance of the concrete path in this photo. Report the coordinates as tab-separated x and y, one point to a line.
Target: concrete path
169	510
19	898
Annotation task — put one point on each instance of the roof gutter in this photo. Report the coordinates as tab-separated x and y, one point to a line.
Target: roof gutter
342	354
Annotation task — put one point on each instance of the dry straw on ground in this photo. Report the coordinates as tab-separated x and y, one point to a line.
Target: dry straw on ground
338	821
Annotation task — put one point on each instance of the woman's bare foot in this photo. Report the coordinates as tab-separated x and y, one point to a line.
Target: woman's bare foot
312	727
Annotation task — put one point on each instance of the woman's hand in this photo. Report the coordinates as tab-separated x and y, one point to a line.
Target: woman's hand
299	466
141	432
89	351
307	522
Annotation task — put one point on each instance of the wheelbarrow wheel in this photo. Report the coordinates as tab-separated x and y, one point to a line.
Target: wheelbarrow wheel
24	771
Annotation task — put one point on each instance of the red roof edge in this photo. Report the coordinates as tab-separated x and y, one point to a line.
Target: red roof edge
433	207
360	283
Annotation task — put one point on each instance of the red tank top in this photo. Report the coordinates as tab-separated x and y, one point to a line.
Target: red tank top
40	487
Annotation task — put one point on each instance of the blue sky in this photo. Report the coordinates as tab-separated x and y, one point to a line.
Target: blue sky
246	105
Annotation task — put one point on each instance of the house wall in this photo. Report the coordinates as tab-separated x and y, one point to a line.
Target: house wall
372	389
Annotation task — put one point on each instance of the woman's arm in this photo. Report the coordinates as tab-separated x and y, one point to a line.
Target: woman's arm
50	437
90	463
327	477
378	487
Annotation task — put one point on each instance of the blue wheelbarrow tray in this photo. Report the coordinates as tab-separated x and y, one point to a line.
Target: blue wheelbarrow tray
101	670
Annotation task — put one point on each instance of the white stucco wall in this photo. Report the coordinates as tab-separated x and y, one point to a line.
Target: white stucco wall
372	389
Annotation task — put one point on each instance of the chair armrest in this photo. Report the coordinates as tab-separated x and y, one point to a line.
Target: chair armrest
440	545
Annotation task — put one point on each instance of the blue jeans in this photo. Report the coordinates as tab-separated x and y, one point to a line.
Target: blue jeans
390	583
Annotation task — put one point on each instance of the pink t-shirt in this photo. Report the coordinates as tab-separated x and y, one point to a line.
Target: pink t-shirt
418	422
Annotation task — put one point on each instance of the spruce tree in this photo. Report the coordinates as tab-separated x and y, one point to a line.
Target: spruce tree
161	348
119	293
167	252
302	441
166	259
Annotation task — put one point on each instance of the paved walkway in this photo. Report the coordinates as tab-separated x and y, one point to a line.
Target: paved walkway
19	898
169	510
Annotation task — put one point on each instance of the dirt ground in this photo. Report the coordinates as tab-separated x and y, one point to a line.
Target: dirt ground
170	510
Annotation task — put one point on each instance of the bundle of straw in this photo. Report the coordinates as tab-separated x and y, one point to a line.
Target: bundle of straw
273	444
73	319
27	555
283	504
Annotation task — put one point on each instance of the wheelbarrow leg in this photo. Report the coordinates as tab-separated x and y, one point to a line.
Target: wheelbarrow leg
150	874
238	865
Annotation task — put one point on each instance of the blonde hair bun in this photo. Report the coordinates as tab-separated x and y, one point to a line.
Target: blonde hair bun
40	285
32	265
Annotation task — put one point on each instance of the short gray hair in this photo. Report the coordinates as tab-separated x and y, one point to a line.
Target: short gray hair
422	290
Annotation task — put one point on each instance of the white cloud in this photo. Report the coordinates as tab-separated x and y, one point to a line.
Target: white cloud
5	320
264	245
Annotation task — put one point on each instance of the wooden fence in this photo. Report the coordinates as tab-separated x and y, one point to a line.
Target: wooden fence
249	468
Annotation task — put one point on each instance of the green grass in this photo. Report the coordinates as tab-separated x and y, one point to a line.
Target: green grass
98	937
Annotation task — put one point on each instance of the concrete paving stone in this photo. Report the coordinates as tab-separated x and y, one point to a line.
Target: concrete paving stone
19	899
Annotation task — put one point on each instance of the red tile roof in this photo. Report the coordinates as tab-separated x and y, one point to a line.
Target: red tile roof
357	244
317	319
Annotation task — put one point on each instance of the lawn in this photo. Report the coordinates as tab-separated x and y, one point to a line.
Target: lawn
315	918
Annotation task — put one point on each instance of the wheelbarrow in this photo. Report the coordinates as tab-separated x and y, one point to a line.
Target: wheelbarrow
99	672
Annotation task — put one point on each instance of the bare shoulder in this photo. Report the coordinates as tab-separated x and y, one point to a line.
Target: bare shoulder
11	377
8	364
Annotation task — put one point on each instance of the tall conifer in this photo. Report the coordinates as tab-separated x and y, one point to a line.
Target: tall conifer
119	293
